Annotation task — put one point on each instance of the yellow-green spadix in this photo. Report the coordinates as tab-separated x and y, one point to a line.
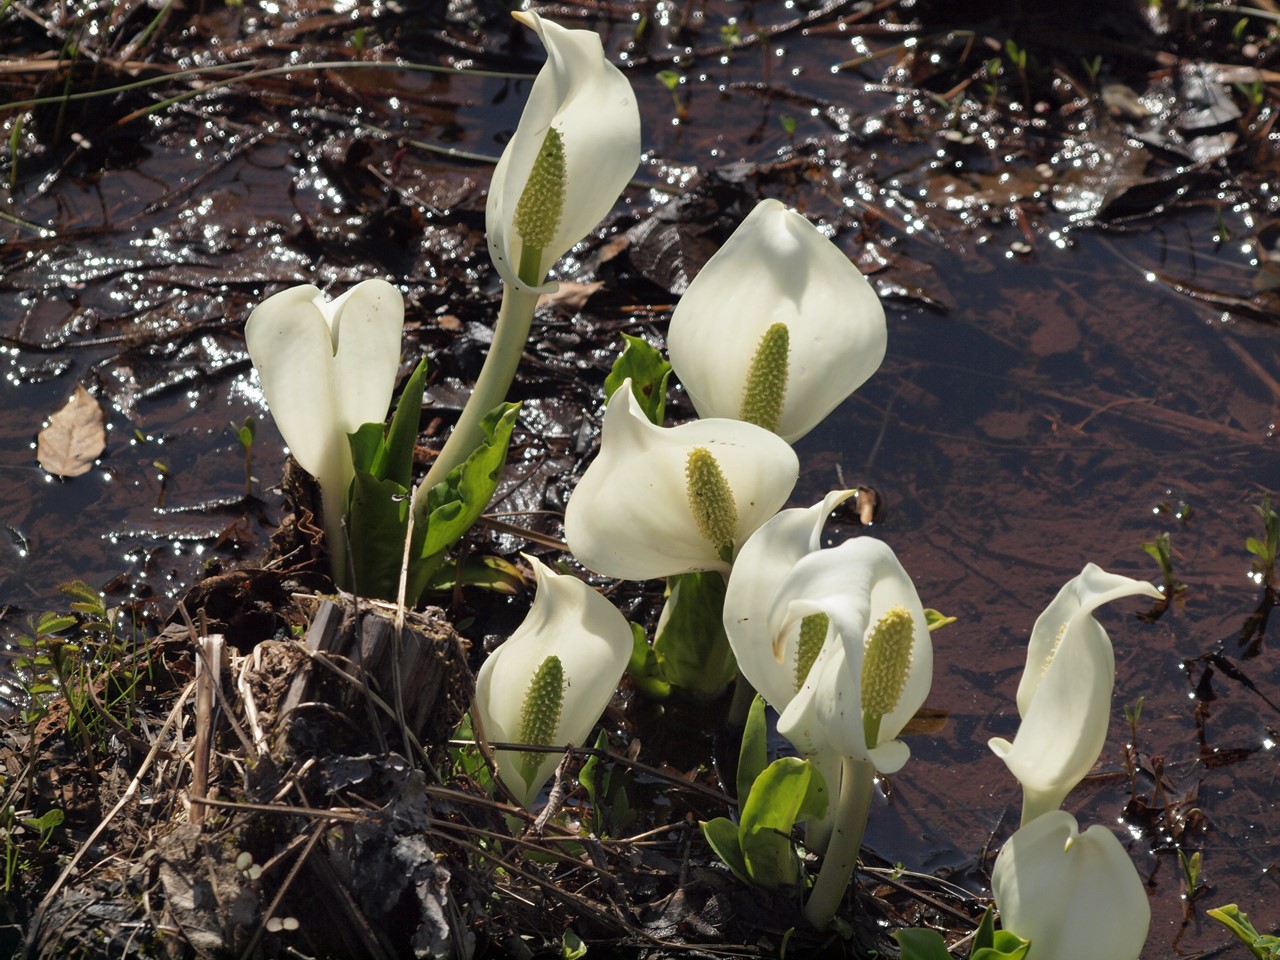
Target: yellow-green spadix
590	106
551	679
777	269
634	514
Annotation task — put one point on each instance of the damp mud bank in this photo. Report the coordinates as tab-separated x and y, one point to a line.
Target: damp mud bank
1074	234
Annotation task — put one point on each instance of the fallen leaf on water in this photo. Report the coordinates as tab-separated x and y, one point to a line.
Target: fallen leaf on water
75	437
571	294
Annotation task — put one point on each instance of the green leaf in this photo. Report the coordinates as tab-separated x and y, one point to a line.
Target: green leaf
486	573
936	620
1256	547
786	791
571	946
1231	917
54	623
643	666
918	943
692	649
79	590
985	935
454	504
722	836
367	448
649	373
754	755
1008	946
402	435
378	519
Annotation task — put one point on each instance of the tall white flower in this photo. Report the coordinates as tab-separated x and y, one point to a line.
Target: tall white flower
658	501
327	367
551	680
574	150
1064	698
778	328
1072	894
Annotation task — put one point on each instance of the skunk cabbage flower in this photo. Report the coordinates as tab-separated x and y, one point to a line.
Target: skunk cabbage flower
575	148
1064	697
658	501
762	563
1071	894
552	678
873	669
778	328
327	367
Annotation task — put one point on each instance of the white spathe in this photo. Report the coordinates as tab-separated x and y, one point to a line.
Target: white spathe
769	662
592	106
327	367
777	267
855	584
1064	697
1073	895
629	516
568	620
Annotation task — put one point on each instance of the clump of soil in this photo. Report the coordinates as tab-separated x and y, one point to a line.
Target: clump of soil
299	797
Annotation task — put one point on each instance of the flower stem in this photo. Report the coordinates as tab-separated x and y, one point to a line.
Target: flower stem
335	536
509	336
857	779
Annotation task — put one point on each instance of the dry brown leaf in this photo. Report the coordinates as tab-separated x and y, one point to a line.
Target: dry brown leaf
571	294
75	437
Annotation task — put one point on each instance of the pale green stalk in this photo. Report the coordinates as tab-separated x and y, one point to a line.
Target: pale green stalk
857	780
515	316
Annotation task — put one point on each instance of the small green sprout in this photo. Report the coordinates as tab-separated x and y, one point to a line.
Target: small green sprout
1265	550
1264	947
1190	872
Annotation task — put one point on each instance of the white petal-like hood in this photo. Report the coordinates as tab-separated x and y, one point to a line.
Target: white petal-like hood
1073	895
326	368
777	268
761	565
629	517
589	101
568	620
854	584
1064	697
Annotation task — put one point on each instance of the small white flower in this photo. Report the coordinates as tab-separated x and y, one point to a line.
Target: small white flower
573	643
1064	697
327	367
1072	894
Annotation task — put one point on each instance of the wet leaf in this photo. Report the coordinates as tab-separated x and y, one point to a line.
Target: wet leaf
570	294
75	437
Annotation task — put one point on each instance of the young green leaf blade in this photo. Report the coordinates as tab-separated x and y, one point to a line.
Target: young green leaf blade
918	943
788	790
455	504
648	371
753	756
722	836
692	648
367	448
402	435
377	521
